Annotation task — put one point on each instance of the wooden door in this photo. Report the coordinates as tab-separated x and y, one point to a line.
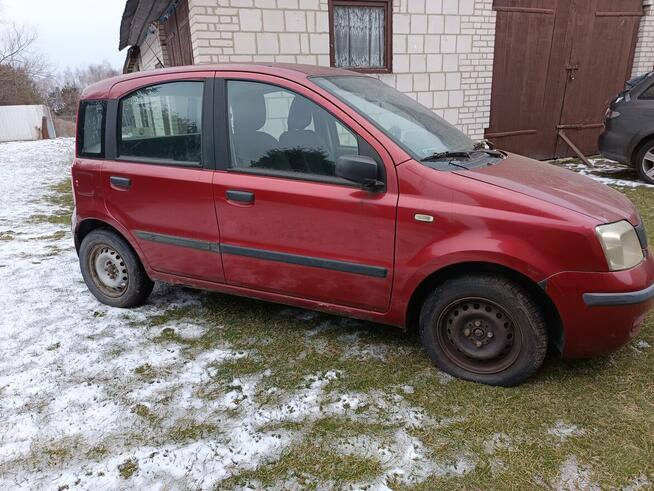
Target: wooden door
527	34
557	65
178	36
600	61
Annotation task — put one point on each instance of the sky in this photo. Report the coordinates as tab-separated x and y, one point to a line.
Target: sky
72	33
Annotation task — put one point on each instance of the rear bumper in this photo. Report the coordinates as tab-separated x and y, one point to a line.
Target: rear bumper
602	311
614	146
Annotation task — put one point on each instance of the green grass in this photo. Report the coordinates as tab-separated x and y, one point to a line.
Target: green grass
128	468
60	198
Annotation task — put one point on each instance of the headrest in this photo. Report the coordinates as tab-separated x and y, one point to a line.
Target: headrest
249	111
301	113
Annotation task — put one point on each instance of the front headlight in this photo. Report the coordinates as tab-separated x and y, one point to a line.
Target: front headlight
621	245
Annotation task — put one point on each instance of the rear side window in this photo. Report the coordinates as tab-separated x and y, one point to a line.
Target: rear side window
648	94
90	137
162	122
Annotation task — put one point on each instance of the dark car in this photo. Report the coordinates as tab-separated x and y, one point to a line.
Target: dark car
628	135
327	189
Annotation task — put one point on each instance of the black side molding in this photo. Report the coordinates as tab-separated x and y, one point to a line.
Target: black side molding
178	241
282	257
314	262
629	298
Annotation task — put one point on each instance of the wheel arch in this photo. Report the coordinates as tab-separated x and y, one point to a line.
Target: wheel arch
88	225
639	144
537	291
85	227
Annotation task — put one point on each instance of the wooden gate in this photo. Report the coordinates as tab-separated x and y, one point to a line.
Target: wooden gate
557	65
178	36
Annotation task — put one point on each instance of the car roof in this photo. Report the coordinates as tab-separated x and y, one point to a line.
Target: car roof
290	71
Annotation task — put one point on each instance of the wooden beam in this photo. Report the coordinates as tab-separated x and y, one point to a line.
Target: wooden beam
574	148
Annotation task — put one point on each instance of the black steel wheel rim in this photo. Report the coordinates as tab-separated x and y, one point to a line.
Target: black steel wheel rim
108	270
478	335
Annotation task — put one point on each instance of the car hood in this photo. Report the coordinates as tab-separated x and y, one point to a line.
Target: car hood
558	186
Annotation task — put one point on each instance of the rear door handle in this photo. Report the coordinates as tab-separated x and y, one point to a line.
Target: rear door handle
121	182
240	196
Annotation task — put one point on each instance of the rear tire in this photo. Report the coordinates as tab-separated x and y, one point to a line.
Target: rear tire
644	162
485	329
112	271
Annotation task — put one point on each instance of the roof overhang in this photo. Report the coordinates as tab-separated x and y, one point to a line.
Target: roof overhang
137	17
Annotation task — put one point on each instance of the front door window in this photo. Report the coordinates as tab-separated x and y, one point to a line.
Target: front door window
275	129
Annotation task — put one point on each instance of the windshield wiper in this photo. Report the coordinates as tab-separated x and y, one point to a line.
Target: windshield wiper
447	155
457	165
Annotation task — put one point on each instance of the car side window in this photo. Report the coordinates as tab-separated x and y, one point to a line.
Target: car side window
277	129
163	122
90	138
648	94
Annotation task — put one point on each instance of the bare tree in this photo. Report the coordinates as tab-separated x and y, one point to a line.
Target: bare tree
15	44
17	50
83	77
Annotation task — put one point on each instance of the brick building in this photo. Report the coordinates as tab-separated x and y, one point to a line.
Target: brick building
474	62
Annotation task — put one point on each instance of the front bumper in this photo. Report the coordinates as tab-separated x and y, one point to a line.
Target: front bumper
601	312
629	298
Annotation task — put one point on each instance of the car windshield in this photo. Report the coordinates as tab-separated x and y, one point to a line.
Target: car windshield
418	130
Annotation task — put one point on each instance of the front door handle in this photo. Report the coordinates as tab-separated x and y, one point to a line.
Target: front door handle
121	182
240	196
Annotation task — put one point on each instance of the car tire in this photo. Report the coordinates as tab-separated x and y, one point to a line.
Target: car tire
112	271
644	162
485	329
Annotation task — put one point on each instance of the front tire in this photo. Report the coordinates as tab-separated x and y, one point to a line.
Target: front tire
644	162
112	271
485	329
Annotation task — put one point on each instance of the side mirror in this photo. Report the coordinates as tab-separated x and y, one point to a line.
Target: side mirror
361	170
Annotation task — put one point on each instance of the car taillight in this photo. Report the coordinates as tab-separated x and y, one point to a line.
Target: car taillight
611	114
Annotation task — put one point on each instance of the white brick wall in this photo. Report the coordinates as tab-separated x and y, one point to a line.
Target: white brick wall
644	56
442	49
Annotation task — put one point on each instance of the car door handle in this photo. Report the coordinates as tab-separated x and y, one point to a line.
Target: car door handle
121	182
240	196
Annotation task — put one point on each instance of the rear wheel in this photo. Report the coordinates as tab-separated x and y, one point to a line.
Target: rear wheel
112	271
485	329
645	162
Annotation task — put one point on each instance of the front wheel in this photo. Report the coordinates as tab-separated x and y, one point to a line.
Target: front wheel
112	271
484	328
645	162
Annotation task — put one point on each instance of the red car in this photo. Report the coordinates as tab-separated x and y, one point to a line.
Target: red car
330	190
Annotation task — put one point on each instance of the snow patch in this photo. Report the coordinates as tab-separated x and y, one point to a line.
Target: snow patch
404	458
637	483
643	345
574	476
607	167
498	441
563	430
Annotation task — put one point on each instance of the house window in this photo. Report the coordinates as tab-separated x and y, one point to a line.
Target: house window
360	35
